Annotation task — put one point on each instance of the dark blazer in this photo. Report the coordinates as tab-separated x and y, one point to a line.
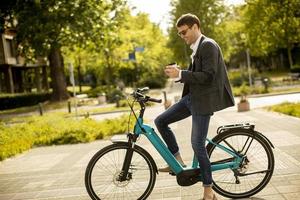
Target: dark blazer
206	79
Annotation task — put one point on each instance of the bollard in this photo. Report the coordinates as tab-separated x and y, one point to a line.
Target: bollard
266	84
117	100
40	109
69	107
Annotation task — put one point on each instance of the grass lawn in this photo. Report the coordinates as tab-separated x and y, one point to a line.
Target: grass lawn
292	109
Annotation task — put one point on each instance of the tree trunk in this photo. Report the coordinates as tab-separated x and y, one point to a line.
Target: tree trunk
289	49
58	79
108	71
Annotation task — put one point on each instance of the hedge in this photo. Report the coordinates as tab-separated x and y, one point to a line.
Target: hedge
56	130
287	108
10	101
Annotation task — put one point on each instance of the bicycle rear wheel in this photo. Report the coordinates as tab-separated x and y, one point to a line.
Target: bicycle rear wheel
102	177
254	172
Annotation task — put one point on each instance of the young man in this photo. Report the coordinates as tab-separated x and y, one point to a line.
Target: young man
206	90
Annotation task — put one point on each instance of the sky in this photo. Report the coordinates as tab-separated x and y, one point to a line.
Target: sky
158	10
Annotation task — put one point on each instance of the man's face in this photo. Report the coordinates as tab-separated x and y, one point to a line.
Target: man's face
188	34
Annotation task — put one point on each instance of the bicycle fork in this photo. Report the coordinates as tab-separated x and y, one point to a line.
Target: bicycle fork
125	175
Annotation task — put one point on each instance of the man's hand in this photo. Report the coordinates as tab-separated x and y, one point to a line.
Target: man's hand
172	71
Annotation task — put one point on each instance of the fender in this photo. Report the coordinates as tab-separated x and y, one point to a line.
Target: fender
267	139
238	127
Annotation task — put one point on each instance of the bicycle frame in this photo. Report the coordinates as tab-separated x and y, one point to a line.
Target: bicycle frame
148	131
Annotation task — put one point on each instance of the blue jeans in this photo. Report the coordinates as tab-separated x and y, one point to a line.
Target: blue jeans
200	123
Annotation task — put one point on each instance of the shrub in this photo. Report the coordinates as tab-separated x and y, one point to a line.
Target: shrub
110	91
245	90
295	68
10	101
235	78
238	77
55	129
153	80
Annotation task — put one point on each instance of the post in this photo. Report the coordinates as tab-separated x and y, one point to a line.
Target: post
249	67
117	100
41	109
69	107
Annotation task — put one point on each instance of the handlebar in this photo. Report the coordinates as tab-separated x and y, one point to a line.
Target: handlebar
155	100
139	96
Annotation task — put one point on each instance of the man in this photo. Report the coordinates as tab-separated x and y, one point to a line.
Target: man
206	90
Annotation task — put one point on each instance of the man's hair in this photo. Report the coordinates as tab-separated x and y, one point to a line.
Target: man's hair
188	19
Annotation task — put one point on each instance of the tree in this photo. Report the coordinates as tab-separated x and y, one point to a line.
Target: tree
6	11
272	25
110	62
210	13
47	26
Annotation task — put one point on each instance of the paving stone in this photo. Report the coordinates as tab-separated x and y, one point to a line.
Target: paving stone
57	172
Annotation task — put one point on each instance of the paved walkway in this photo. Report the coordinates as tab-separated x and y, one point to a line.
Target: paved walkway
57	172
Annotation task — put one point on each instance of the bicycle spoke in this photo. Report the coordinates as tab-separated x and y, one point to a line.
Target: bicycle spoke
253	173
104	179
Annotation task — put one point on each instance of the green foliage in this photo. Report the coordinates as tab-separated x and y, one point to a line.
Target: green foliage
238	77
54	129
295	68
245	90
155	79
230	33
57	23
287	108
108	62
210	13
110	91
10	101
270	25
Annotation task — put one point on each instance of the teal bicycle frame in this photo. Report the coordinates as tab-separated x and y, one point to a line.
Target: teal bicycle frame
148	131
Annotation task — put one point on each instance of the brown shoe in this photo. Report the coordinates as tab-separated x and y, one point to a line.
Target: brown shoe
165	169
168	169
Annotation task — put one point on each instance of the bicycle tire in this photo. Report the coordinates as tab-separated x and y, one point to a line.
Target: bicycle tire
259	158
100	185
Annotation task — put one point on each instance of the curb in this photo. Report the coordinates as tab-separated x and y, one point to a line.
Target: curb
270	94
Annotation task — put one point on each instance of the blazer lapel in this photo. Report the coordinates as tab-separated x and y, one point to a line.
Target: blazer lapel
196	56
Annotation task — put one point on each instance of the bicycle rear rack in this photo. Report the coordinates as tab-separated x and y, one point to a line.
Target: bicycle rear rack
234	126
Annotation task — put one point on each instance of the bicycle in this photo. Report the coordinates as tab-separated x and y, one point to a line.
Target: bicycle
241	158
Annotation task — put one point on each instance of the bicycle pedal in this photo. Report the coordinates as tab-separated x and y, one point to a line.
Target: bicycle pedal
172	173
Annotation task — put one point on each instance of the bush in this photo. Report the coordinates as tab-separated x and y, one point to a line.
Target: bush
54	129
153	80
110	91
152	83
245	90
237	78
295	69
10	101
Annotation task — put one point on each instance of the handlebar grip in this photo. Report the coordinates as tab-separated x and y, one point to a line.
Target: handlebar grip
155	100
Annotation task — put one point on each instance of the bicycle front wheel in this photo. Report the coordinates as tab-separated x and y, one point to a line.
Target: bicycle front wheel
102	177
254	172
